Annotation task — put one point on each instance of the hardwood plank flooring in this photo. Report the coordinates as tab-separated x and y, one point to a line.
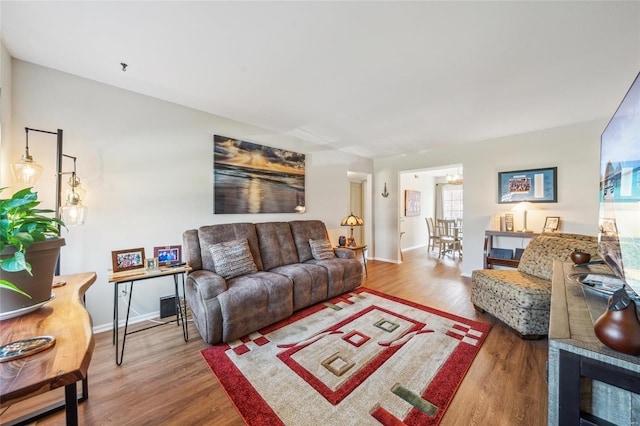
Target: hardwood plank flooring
164	381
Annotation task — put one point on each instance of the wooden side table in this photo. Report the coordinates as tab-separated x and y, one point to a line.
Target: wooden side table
65	363
134	277
362	248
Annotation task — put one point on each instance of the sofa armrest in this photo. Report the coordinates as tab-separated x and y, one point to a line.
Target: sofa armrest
208	284
344	253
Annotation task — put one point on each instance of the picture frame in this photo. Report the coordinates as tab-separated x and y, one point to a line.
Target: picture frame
151	263
125	260
280	178
551	224
534	186
412	203
168	255
508	222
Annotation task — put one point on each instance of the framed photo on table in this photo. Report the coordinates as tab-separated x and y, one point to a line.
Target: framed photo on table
534	186
168	255
508	222
124	260
551	224
151	263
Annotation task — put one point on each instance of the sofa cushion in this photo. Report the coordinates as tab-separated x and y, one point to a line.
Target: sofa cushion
232	258
276	244
321	249
513	288
214	234
542	250
305	230
254	301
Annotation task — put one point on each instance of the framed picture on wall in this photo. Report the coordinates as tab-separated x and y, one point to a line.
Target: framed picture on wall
534	186
412	203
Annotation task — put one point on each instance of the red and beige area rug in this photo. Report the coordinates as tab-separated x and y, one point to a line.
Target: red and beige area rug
362	358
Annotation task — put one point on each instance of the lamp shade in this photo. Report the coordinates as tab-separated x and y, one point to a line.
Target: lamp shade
352	220
522	206
26	171
74	212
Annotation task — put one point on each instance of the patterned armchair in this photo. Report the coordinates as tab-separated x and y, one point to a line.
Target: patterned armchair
522	298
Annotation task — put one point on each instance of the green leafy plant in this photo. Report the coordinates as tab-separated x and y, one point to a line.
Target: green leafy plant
21	225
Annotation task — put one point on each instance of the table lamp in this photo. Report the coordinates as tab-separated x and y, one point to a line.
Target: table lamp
351	221
523	207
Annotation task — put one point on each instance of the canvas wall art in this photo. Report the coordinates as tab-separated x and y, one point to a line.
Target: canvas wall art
253	178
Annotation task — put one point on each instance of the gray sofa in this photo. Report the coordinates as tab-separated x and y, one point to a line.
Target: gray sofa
282	277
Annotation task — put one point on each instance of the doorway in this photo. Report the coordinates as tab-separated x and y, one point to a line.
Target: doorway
356	206
440	197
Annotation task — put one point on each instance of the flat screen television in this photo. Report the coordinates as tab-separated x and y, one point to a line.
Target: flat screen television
619	217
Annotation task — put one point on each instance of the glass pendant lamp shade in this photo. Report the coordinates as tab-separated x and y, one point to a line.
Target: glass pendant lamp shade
26	171
74	212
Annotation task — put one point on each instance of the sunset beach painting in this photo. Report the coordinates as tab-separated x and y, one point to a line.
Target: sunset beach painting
253	178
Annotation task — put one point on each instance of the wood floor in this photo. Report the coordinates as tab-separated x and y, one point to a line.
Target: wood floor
164	381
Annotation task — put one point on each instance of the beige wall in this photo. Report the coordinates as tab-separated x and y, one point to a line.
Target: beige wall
574	149
148	168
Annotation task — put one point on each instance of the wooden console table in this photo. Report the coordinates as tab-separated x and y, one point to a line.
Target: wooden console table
64	364
488	245
589	383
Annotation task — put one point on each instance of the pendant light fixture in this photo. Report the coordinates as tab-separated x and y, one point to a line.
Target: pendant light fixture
74	212
26	171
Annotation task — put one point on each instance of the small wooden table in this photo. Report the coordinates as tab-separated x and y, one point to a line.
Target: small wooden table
361	247
64	364
132	277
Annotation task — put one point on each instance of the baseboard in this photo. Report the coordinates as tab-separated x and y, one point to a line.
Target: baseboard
132	320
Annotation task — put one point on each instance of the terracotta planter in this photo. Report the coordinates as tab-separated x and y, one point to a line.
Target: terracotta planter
42	256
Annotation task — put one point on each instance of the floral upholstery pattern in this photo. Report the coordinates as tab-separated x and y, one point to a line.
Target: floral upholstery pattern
539	255
522	298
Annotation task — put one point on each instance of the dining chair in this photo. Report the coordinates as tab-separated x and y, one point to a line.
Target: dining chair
434	235
449	238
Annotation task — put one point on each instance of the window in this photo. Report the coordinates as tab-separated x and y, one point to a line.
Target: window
452	201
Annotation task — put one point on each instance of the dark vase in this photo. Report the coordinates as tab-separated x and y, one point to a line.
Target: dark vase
580	257
618	327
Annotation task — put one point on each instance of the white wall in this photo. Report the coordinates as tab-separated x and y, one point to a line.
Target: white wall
573	149
148	168
5	107
414	227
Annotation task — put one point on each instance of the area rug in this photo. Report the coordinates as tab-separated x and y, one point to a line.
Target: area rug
361	358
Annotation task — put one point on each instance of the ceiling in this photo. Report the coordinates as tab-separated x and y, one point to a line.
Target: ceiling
372	78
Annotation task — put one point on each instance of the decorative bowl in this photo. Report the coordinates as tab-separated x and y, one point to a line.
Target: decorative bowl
580	257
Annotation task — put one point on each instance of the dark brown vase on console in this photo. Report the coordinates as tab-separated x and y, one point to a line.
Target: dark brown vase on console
618	327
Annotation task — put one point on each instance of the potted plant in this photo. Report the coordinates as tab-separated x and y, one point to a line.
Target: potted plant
29	248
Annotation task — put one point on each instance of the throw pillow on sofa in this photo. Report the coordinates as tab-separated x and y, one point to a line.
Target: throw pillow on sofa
321	249
232	258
